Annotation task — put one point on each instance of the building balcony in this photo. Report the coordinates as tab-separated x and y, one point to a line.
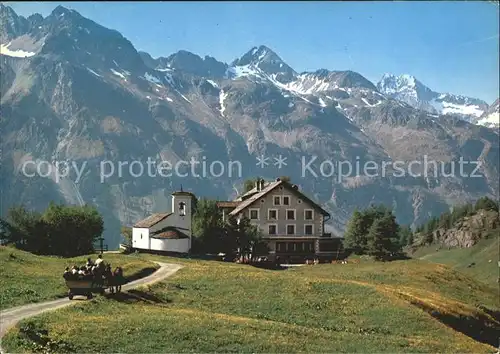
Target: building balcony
280	236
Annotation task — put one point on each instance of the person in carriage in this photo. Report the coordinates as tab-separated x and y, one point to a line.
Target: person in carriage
67	273
74	270
99	261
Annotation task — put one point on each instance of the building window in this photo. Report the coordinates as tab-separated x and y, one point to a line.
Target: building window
286	200
308	214
272	214
290	214
280	246
182	208
299	201
273	229
277	200
308	229
290	229
254	214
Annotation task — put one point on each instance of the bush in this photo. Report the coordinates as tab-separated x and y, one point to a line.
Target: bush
61	230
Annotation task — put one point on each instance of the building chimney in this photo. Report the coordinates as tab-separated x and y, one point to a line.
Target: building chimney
261	184
257	184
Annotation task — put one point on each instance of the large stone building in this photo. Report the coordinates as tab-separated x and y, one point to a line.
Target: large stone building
291	223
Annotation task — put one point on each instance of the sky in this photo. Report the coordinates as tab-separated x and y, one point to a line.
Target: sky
449	46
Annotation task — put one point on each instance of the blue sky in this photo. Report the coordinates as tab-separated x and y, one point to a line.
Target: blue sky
449	46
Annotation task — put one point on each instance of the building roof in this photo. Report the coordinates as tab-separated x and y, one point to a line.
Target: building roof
268	188
251	192
228	204
169	232
184	193
152	220
172	235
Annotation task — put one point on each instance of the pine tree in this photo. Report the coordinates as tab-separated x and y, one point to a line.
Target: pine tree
377	240
353	237
410	239
391	232
427	234
230	236
405	236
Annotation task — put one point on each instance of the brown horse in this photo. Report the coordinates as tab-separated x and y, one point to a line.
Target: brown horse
98	274
117	280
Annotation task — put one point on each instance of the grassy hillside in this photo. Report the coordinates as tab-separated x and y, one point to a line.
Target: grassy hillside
484	256
27	278
404	306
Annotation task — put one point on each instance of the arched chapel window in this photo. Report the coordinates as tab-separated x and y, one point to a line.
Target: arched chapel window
182	208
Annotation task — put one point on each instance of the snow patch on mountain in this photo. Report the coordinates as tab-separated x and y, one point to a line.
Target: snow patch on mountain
213	83
93	72
151	78
222	97
492	120
4	50
306	84
444	107
236	72
118	74
185	98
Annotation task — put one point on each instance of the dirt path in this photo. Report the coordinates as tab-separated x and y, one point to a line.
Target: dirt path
10	317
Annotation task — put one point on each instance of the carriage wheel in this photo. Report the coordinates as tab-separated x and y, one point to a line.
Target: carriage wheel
89	296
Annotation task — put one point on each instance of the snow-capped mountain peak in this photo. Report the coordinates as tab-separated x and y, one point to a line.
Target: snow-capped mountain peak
409	89
266	60
491	118
258	55
403	84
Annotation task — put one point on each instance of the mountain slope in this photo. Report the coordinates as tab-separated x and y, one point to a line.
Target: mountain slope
85	96
479	261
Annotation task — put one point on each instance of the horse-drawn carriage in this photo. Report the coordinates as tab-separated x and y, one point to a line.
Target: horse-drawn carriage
96	282
85	287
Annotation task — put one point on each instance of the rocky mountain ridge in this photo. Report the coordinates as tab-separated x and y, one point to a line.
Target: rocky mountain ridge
410	90
76	92
491	118
467	231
